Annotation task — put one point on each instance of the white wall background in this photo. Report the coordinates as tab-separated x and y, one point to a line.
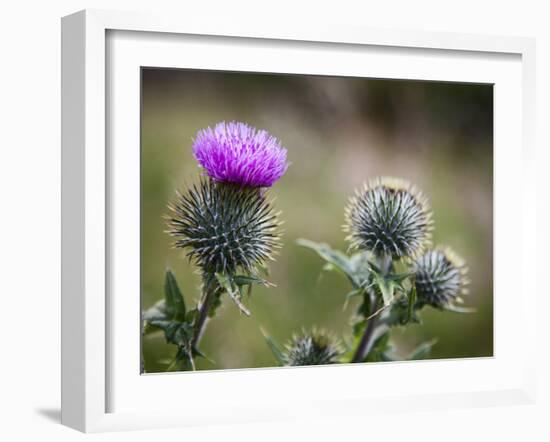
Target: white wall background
30	216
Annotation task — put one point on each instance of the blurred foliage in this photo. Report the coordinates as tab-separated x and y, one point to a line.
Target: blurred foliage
338	132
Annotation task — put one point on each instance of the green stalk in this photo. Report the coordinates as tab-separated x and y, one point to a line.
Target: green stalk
210	287
365	344
367	340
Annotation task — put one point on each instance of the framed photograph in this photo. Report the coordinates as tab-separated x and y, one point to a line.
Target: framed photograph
271	222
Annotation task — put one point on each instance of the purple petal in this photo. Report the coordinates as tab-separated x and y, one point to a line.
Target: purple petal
237	153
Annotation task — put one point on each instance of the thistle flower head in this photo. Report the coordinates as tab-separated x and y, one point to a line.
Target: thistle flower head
237	153
314	348
388	216
440	277
224	227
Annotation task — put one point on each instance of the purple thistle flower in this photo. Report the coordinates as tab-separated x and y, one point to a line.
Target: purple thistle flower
238	153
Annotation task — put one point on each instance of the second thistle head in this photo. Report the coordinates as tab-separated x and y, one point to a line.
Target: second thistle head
388	216
312	348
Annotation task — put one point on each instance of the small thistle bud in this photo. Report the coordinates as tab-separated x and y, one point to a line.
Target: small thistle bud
237	153
440	278
225	227
389	217
314	348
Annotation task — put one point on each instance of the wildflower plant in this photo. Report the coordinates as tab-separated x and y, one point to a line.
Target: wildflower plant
225	224
391	268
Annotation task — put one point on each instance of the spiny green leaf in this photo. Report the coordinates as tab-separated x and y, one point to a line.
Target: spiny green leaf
387	293
236	298
178	333
156	314
335	257
149	328
374	267
241	280
176	330
422	351
398	313
386	287
182	361
274	347
227	284
175	304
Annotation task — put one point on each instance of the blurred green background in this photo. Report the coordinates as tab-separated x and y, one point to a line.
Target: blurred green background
339	132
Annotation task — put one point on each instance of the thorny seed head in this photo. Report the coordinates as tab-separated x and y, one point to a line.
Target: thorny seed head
238	153
440	278
312	348
388	216
224	227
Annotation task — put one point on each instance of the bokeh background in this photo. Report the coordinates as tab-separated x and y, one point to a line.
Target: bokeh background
339	132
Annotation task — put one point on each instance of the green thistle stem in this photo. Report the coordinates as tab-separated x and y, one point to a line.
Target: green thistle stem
365	345
210	287
366	342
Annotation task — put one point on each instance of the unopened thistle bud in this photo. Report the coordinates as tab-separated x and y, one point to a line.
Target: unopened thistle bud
224	227
389	217
440	278
313	348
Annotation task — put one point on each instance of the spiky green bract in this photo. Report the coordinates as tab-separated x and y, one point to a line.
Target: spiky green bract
312	348
440	278
388	217
224	227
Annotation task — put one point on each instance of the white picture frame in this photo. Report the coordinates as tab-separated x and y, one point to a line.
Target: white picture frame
87	206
